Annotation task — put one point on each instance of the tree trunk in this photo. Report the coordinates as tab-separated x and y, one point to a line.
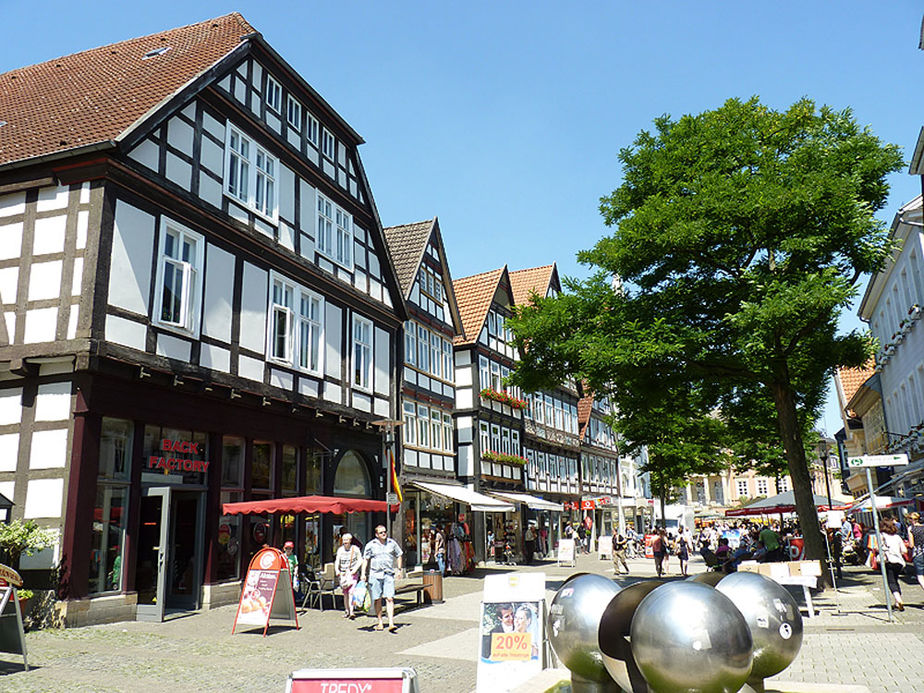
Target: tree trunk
787	418
663	503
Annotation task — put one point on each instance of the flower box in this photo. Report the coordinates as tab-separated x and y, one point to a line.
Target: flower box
503	398
503	457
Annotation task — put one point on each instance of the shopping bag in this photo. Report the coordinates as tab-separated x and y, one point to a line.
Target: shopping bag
360	596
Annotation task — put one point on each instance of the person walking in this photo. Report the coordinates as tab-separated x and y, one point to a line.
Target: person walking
771	541
893	546
683	550
347	565
659	549
382	560
439	542
620	545
916	542
529	543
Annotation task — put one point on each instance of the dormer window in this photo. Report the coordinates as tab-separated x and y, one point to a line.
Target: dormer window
273	94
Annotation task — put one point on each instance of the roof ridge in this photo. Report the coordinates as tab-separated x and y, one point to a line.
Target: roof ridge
235	14
410	223
480	274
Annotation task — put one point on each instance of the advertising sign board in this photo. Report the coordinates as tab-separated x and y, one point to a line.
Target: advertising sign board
373	680
12	635
267	591
566	552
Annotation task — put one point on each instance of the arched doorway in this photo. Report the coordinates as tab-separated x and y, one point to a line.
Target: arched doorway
352	479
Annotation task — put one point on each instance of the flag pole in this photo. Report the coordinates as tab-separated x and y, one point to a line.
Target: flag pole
388	427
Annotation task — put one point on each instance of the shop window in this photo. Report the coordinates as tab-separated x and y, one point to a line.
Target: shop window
175	455
351	478
261	471
312	530
313	463
110	511
232	462
289	470
228	553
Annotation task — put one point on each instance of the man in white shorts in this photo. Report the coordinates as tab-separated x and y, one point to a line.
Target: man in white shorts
381	564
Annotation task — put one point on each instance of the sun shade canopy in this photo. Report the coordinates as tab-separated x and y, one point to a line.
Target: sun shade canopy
780	503
307	504
532	502
478	501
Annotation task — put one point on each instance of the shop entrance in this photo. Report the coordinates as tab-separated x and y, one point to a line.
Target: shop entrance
168	570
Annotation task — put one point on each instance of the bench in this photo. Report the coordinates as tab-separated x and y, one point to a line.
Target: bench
417	588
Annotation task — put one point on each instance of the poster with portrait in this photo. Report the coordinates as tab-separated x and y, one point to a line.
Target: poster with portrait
511	631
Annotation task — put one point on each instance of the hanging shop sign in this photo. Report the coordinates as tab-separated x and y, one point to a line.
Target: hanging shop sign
380	680
12	635
267	591
588	505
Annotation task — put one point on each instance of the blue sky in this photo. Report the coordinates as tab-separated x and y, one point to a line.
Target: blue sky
504	119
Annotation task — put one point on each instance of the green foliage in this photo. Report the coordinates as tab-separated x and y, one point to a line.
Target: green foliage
740	235
19	537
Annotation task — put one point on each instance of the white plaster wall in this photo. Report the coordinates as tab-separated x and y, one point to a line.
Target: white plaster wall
131	258
216	358
53	402
146	154
126	332
178	171
52	198
381	407
45	280
43	498
180	135
250	368
382	344
9	283
49	449
77	278
332	392
211	154
40	325
308	206
10	240
173	347
13	203
253	309
219	290
49	235
10	406
9	452
286	184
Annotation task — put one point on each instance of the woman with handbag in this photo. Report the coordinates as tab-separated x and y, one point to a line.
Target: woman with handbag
892	550
347	564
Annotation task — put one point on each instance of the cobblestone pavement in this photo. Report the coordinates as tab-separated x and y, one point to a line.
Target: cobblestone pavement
851	641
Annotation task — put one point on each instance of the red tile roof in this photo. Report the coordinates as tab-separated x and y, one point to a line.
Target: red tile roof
474	295
850	379
96	96
525	281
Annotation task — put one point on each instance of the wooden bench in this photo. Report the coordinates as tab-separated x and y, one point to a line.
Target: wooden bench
417	588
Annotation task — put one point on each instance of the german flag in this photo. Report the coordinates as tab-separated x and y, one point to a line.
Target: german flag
395	486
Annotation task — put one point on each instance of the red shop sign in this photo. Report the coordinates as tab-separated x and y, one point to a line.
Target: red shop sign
394	680
587	505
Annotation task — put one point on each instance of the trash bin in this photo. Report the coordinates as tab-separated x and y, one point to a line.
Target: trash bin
433	586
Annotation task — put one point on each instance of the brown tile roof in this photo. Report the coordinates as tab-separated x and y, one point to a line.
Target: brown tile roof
525	281
474	295
406	245
850	379
95	96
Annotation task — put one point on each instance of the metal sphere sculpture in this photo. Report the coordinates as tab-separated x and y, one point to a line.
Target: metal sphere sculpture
773	617
691	637
613	635
710	577
574	618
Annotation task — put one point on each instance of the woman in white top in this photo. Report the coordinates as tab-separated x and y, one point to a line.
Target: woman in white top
893	546
346	566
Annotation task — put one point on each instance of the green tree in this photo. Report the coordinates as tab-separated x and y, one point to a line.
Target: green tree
740	235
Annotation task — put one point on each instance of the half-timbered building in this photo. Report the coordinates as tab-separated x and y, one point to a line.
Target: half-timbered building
600	482
198	307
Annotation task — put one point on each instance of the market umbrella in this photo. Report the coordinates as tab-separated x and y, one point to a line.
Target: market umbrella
307	504
882	503
781	503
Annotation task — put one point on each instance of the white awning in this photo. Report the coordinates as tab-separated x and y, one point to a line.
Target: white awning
478	501
531	502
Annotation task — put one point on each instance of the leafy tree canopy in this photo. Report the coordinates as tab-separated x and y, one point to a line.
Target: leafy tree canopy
740	235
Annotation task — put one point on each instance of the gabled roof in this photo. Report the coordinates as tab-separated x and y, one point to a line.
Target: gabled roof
474	295
537	279
97	96
849	381
407	244
585	405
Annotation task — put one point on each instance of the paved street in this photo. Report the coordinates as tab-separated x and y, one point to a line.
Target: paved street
198	653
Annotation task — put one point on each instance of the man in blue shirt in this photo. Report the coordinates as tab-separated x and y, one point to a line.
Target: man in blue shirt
381	562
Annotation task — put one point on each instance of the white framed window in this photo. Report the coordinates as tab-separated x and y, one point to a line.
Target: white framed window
362	353
447	432
436	351
762	487
423	349
484	372
423	426
505	441
328	144
448	367
538	409
294	113
495	438
410	343
484	437
783	484
436	429
505	373
742	485
281	315
410	424
515	442
273	94
495	377
312	129
250	174
179	277
335	233
310	331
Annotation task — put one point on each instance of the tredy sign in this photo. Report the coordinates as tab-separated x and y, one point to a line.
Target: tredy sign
877	461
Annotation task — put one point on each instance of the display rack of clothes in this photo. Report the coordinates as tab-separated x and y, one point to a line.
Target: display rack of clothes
459	552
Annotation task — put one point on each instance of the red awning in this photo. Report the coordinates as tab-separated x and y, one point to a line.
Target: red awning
307	504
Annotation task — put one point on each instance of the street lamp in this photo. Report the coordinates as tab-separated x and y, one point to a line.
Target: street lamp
823	455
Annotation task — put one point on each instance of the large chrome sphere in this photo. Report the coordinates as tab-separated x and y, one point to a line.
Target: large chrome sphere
691	637
574	618
773	617
613	635
710	577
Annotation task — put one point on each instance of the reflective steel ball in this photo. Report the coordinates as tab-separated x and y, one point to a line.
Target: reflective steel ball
691	637
773	617
613	634
710	577
573	621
